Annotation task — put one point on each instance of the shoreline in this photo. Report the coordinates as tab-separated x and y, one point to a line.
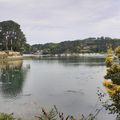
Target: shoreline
25	56
10	55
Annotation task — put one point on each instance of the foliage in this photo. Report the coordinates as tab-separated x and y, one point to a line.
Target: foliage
11	36
4	116
112	104
113	66
109	58
117	51
89	45
112	84
109	61
111	88
53	114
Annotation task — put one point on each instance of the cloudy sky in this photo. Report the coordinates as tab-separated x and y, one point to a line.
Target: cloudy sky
58	20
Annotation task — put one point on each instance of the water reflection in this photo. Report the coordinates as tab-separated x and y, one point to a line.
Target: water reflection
70	84
12	76
113	105
73	61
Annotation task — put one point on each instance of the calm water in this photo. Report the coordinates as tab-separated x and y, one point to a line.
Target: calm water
69	83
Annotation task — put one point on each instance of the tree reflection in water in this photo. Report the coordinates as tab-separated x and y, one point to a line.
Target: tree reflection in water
12	76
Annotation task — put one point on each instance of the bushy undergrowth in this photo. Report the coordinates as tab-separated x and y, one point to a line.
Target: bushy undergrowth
5	116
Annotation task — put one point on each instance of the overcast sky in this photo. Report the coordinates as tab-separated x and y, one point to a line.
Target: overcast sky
58	20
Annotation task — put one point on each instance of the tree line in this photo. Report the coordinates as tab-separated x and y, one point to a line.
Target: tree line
13	38
89	45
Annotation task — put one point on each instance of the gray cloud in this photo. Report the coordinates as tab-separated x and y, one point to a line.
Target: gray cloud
57	20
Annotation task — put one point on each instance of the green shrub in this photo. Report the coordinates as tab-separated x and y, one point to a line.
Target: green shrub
4	116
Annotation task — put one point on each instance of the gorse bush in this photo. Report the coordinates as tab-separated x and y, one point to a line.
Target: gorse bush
113	65
112	82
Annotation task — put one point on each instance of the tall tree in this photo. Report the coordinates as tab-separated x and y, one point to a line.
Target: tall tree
11	36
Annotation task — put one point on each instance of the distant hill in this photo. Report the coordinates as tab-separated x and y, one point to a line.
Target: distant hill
89	45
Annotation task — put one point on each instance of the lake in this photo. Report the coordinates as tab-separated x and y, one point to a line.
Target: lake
70	83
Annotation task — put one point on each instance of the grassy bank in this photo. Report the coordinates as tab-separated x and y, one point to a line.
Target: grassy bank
10	55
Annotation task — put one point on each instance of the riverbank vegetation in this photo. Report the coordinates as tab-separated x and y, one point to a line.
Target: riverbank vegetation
113	66
89	45
112	82
4	116
10	55
53	114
